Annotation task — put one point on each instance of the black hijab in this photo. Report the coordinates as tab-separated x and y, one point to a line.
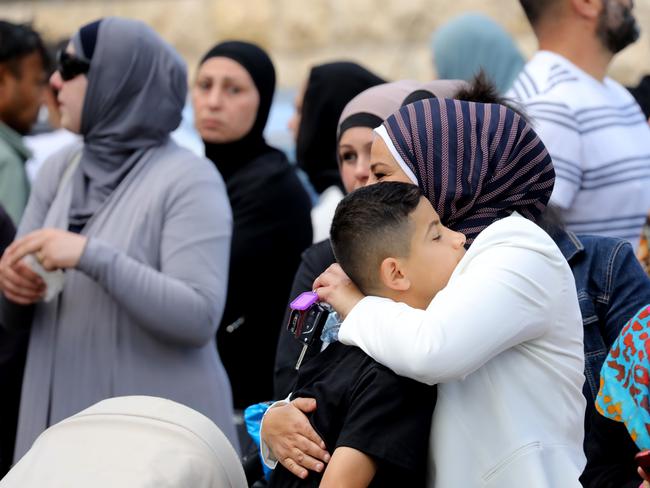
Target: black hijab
329	89
232	156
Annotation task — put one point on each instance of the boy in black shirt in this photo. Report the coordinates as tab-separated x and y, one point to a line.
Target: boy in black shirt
376	423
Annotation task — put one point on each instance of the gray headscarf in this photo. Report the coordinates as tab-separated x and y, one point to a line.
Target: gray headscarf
372	106
137	85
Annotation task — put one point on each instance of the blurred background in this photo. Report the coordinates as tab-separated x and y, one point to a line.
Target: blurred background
390	37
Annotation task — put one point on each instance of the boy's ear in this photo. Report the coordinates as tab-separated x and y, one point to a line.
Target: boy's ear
391	273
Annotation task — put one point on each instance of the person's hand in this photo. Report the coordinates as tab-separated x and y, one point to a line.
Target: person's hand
53	248
294	442
334	287
646	478
19	283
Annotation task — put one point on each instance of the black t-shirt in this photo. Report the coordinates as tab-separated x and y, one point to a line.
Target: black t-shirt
365	406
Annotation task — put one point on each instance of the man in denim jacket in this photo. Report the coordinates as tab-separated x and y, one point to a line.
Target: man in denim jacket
612	287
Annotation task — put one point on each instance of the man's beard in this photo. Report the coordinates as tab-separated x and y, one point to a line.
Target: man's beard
617	38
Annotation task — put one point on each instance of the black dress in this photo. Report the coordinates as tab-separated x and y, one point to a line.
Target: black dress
271	228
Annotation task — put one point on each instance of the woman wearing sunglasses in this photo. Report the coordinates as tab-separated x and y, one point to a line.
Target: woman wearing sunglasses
141	228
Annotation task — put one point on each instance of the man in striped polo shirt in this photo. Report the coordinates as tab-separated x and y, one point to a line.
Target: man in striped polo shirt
596	133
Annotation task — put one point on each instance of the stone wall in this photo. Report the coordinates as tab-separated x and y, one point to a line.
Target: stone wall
390	37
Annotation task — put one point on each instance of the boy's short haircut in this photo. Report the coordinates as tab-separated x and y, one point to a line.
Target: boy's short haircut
371	224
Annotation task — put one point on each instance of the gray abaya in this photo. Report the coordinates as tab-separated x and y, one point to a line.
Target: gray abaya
139	313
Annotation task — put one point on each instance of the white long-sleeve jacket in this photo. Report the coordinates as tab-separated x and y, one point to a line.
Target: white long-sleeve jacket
504	342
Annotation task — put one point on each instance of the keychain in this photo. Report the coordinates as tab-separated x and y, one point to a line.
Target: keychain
306	322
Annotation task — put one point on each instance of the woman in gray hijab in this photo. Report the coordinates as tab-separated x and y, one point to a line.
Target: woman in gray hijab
142	229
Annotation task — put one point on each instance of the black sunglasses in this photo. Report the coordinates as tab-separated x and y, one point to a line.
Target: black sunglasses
69	66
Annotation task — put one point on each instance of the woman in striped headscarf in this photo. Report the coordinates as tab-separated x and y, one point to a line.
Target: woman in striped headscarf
503	339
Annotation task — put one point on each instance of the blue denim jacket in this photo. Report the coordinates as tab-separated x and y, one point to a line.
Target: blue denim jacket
611	286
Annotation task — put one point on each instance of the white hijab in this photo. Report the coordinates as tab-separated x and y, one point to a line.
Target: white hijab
133	442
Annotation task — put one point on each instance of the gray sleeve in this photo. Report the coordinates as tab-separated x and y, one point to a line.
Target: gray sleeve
183	301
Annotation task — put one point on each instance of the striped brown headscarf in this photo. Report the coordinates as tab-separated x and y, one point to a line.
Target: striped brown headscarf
475	162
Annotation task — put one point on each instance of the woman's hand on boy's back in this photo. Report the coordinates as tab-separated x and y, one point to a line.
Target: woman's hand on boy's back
334	287
293	441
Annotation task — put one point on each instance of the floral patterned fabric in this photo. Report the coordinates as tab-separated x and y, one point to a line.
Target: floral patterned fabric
625	379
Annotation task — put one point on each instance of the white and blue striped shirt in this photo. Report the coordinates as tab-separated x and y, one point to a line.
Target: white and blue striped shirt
599	140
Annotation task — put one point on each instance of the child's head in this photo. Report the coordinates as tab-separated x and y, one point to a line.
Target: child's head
389	240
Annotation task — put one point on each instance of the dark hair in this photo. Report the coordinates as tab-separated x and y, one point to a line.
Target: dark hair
371	224
482	90
551	221
18	41
535	9
418	95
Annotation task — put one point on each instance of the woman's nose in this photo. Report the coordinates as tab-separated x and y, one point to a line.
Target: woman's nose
215	97
56	81
362	170
459	239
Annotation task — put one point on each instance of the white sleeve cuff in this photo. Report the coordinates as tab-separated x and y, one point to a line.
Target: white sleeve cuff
268	458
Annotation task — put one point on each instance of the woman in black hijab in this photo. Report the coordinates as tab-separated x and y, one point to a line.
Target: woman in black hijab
232	97
327	91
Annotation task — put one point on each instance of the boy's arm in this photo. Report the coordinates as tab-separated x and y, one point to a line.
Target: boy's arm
502	299
349	468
